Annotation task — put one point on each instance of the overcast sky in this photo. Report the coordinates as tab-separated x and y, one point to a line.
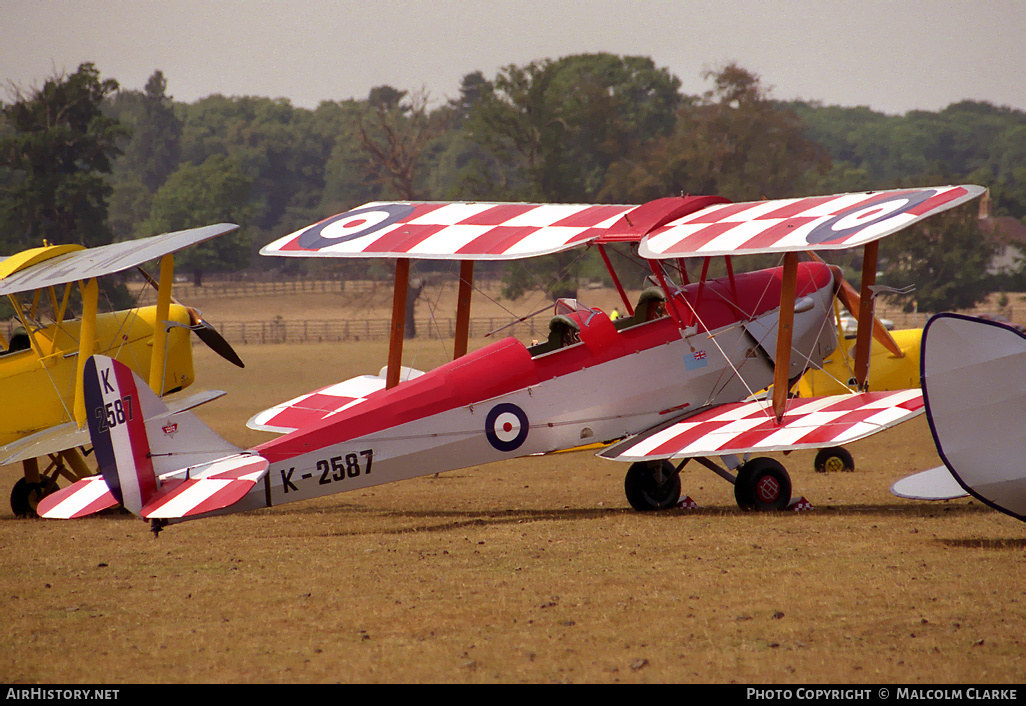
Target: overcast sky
893	55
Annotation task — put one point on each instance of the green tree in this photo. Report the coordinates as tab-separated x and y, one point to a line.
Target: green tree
347	180
150	156
281	149
154	151
216	191
559	125
394	137
551	130
945	257
56	155
733	141
461	168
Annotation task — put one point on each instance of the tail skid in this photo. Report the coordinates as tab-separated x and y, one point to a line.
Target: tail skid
159	465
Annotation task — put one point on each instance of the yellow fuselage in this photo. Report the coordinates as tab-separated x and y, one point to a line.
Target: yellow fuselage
886	371
38	384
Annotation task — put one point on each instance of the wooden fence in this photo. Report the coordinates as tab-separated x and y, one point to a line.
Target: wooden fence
330	330
279	330
185	291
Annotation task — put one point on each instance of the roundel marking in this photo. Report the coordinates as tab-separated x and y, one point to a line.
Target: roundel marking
351	225
506	427
858	217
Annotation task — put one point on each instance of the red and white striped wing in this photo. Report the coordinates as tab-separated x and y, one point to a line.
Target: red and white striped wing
813	223
81	498
305	410
466	231
500	231
208	487
745	427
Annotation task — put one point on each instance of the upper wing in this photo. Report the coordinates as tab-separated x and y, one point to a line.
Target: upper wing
790	225
745	427
669	227
42	268
467	231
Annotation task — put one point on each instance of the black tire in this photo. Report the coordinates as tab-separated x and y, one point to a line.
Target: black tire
835	458
743	490
652	485
25	496
762	484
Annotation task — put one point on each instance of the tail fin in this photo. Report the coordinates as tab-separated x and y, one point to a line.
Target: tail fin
156	463
116	409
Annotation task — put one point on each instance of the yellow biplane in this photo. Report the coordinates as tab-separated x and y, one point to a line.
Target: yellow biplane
893	365
41	360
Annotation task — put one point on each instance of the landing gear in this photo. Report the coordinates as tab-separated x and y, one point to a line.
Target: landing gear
25	496
37	484
836	458
652	485
762	484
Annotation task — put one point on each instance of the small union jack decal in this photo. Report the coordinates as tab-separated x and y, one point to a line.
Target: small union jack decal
696	360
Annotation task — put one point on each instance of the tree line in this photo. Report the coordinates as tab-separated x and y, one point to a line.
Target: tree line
83	159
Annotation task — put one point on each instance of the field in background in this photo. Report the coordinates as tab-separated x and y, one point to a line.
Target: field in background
532	570
321	310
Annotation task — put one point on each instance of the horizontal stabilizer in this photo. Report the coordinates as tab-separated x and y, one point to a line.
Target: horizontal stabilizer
204	488
208	487
81	498
748	427
934	484
155	463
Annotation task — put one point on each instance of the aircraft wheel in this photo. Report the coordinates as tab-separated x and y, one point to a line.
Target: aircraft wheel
652	485
836	458
25	496
762	484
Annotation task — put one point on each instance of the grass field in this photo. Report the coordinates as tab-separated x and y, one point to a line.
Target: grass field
533	570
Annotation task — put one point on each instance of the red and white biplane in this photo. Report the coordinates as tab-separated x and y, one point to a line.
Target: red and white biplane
679	377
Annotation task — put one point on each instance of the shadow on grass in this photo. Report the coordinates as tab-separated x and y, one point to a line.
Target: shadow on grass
401	522
454	519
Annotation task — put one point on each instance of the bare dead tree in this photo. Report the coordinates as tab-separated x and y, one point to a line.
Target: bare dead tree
394	138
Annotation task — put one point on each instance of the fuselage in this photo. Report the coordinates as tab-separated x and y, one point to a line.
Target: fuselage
509	400
39	381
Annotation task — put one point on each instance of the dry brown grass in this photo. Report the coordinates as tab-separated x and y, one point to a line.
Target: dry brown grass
532	570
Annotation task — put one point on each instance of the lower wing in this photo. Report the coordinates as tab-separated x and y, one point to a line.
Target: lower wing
68	435
746	427
308	409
